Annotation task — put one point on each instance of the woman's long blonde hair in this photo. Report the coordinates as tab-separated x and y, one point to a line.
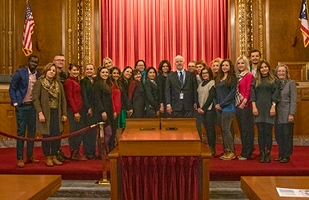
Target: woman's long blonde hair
246	61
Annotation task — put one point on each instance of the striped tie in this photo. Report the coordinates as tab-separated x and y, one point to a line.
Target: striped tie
181	79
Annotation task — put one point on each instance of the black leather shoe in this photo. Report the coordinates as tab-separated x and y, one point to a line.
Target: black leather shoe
284	160
262	156
267	156
61	156
278	159
91	157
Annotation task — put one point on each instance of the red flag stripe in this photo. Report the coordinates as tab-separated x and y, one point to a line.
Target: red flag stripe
28	31
306	31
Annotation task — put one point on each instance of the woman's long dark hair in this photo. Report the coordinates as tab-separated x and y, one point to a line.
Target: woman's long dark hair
105	84
115	82
135	72
161	65
270	77
71	65
147	71
230	75
127	67
139	61
211	76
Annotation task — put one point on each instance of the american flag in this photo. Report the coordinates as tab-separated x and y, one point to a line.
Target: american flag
28	31
303	17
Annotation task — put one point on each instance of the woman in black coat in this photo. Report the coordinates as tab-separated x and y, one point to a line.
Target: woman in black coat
136	95
103	105
126	107
89	139
164	70
152	93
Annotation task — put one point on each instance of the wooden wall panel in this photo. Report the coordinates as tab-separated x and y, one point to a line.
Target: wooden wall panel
283	27
47	37
7	114
55	31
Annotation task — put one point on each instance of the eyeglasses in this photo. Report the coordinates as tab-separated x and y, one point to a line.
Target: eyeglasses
60	60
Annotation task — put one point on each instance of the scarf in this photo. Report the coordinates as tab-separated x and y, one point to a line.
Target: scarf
143	76
238	96
283	83
50	86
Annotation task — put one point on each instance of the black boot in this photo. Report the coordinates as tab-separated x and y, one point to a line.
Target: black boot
262	156
267	156
61	156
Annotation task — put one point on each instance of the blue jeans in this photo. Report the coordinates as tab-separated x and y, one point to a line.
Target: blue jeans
26	119
226	119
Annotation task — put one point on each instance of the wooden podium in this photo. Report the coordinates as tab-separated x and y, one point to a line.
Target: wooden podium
34	187
160	137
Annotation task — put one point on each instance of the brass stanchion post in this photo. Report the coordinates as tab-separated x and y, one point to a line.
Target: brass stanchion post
104	180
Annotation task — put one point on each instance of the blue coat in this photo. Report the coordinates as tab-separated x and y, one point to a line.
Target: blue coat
19	85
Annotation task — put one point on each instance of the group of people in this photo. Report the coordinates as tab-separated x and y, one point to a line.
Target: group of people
213	95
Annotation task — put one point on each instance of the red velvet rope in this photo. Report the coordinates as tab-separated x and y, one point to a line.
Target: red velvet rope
81	131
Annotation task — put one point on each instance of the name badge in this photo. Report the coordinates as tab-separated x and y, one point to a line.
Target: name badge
181	95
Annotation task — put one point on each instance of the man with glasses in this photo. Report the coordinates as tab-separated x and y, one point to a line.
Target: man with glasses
59	61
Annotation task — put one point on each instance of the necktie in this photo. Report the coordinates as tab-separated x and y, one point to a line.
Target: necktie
181	78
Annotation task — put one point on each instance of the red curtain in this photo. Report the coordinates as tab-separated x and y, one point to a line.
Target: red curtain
164	178
154	30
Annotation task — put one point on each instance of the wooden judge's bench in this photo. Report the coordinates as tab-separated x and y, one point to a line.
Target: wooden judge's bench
160	159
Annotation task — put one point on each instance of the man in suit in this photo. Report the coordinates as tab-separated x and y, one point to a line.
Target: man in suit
21	98
180	91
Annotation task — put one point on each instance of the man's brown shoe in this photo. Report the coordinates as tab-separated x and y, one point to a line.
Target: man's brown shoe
20	163
32	160
76	157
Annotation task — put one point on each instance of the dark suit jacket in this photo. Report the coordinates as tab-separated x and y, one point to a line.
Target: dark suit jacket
152	94
87	93
19	85
136	95
103	103
161	84
173	89
125	103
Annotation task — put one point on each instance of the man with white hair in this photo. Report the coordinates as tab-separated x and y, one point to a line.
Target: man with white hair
180	91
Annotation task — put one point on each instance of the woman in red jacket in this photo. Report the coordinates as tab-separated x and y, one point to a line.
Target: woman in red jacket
74	101
244	114
116	98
